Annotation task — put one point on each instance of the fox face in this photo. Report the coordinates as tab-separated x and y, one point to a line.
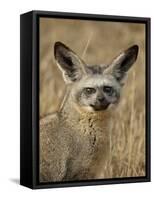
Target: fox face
94	87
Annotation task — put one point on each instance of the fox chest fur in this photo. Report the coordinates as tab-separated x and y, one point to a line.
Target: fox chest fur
77	147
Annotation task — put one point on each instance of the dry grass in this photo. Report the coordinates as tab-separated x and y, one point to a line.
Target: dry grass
99	42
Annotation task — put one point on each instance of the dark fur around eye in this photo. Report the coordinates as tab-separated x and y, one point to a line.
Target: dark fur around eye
89	91
108	89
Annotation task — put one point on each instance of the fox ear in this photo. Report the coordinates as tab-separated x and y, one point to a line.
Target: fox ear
70	64
122	63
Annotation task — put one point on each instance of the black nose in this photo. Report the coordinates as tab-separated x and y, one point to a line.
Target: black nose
101	99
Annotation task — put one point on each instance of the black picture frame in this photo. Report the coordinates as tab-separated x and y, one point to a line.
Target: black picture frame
29	98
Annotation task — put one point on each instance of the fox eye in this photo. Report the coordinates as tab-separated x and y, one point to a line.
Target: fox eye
90	90
108	90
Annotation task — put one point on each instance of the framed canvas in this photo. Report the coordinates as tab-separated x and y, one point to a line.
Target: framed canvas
85	99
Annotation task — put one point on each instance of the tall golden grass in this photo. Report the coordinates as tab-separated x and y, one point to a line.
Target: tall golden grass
99	42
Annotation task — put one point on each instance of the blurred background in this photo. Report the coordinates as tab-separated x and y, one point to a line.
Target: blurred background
99	42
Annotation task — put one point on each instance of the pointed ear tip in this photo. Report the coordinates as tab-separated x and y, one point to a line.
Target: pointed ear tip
134	48
57	44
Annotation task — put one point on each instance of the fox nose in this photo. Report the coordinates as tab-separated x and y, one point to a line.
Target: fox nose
101	99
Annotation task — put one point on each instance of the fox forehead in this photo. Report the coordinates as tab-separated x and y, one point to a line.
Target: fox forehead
96	69
98	80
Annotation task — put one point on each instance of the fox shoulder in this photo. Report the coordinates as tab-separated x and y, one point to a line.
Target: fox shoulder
49	124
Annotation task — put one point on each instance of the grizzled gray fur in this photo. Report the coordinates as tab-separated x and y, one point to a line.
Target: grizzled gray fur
74	141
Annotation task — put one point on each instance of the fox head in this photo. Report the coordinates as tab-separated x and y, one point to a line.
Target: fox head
94	87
